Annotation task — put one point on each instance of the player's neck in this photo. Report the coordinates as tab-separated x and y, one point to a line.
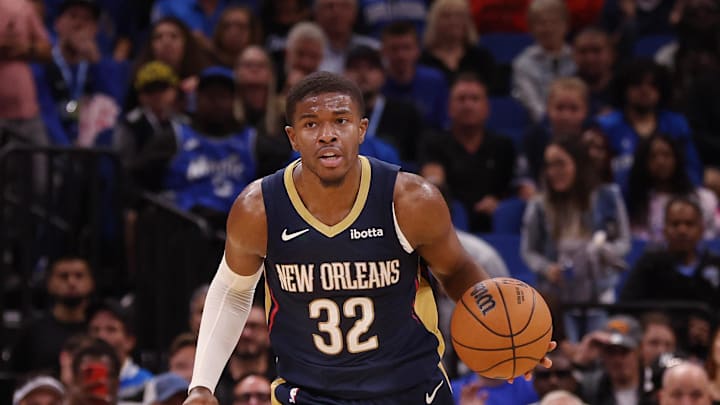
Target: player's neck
328	202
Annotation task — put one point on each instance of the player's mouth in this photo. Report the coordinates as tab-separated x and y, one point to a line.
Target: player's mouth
330	159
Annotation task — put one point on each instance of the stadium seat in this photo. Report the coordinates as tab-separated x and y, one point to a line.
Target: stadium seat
508	117
507	218
505	46
508	246
646	46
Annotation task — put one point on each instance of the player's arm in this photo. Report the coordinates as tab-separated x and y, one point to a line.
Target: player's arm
231	291
424	219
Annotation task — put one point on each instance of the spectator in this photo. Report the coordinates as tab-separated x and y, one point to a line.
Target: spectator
680	270
304	51
171	389
548	59
258	105
40	390
617	381
685	383
561	397
451	43
252	389
181	359
574	236
65	359
599	152
560	376
110	322
215	158
337	19
145	137
95	379
476	164
658	174
278	17
406	79
377	15
395	122
643	93
79	91
237	29
172	43
181	355
658	337
69	284
23	40
630	20
197	302
567	113
252	354
712	365
595	58
201	16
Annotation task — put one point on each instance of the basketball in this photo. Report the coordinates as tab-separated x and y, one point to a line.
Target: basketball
501	328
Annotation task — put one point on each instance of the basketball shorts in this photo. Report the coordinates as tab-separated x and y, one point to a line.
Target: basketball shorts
435	391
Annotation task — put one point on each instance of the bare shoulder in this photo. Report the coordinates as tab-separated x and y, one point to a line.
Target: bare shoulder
420	208
247	222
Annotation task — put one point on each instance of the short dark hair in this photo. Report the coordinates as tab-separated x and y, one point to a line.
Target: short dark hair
117	311
398	29
321	83
96	347
181	341
635	72
685	200
467	76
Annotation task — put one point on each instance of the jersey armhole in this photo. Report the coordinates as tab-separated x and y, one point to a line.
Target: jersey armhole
400	235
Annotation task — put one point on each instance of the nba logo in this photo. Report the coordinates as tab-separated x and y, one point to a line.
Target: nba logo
293	394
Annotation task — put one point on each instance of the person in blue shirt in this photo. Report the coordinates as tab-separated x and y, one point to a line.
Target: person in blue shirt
215	157
378	14
426	87
492	392
200	15
643	92
79	84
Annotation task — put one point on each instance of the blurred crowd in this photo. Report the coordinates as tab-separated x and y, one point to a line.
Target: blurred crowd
576	142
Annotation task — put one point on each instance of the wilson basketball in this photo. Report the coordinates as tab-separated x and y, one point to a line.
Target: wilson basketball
501	328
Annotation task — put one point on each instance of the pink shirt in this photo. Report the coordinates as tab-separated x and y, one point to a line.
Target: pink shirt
17	89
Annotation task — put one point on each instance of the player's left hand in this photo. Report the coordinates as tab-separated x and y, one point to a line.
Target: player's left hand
545	362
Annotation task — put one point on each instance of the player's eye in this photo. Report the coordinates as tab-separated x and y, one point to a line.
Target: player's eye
342	120
310	124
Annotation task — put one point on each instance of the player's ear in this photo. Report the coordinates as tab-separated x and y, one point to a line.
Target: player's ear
290	131
363	128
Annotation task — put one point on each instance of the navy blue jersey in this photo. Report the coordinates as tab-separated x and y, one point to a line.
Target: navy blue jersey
211	172
350	310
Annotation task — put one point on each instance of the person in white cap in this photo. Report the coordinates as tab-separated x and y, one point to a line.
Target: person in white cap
40	390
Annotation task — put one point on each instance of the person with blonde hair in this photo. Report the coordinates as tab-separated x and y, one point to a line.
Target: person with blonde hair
451	44
304	51
548	59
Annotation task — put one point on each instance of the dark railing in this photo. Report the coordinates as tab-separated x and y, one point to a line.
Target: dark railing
176	252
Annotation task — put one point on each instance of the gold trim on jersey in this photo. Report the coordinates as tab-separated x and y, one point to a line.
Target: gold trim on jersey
328	230
426	310
273	399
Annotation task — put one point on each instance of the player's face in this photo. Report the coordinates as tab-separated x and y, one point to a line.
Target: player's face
657	339
327	131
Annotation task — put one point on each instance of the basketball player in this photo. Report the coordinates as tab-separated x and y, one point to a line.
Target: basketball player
340	237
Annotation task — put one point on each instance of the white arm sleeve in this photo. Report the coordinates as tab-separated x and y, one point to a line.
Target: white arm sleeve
227	306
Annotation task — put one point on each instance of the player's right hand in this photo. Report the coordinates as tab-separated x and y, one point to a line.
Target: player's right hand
200	396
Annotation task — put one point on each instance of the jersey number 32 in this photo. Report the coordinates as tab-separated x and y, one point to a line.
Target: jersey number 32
332	342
